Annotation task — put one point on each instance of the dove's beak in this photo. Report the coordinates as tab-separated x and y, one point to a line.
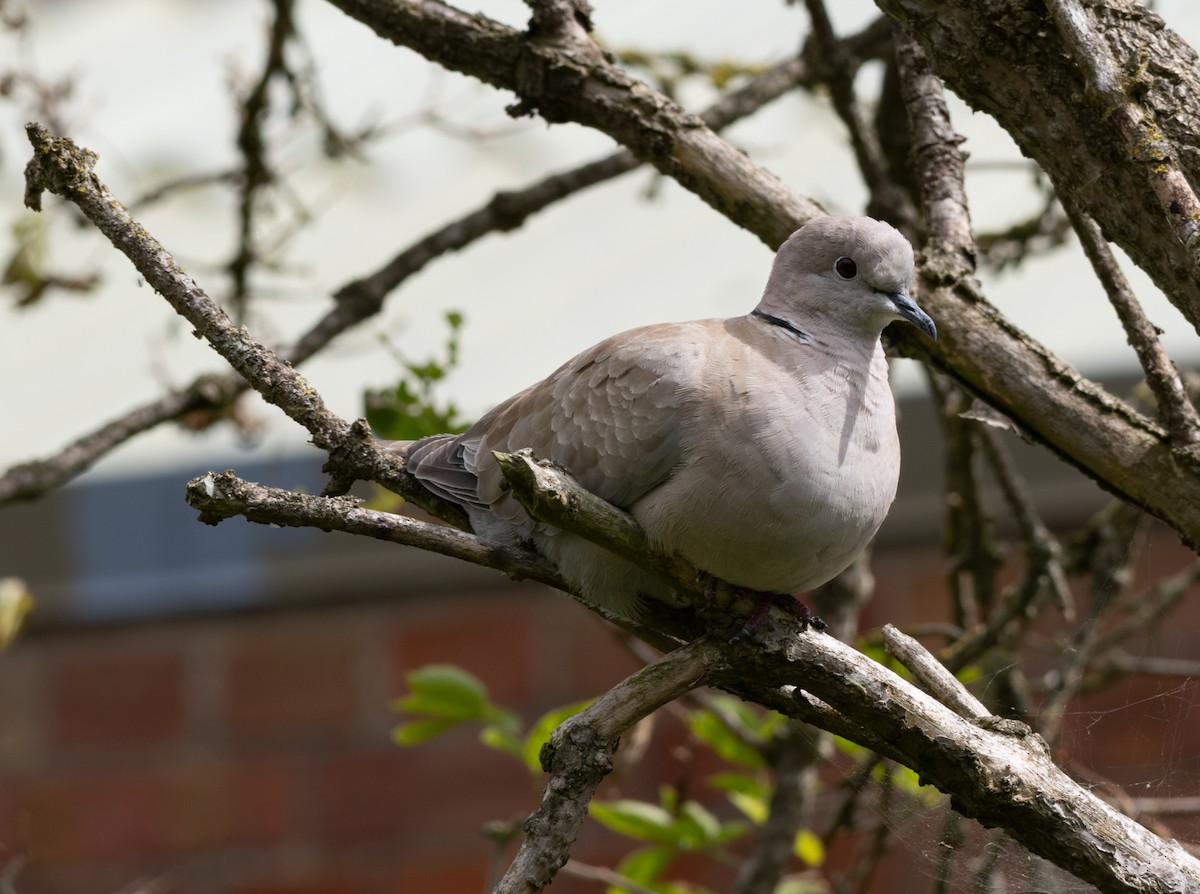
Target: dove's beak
908	310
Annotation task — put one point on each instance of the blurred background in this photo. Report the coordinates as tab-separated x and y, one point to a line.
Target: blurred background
202	709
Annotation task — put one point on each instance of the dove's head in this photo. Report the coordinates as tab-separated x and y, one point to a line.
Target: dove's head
848	274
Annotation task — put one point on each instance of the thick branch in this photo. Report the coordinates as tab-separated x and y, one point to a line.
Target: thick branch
1143	140
936	153
566	86
977	329
1000	776
1007	58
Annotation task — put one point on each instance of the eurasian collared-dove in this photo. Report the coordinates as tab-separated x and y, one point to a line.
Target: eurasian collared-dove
761	448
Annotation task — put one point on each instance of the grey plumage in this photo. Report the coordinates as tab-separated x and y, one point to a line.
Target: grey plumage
762	448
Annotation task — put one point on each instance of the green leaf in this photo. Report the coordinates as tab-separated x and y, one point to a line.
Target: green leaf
735	781
853	749
539	734
800	884
715	732
419	731
496	736
636	819
443	690
909	782
969	674
409	410
442	696
756	809
645	865
698	828
668	799
809	848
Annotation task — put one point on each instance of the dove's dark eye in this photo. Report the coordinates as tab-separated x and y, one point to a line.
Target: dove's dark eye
845	267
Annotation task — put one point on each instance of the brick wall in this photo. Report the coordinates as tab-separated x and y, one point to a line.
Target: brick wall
250	753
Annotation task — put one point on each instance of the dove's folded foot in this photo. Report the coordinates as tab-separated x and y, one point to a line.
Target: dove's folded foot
791	604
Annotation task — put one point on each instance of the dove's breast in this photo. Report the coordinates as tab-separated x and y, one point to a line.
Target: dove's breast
789	472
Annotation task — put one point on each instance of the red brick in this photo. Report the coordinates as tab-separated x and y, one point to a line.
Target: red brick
218	805
24	700
118	817
325	885
264	796
296	682
446	877
12	835
492	639
428	799
118	699
594	659
364	795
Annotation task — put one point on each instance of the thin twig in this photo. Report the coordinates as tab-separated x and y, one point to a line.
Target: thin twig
1038	234
794	754
1175	409
30	480
256	171
555	498
221	495
1118	661
1042	550
64	169
836	67
605	876
1182	806
972	556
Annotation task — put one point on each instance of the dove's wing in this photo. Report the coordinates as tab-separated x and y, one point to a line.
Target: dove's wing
613	416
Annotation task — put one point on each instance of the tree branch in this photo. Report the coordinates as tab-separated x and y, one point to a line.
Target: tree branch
256	170
993	771
1005	58
579	755
561	86
221	495
837	67
64	169
30	480
1144	143
1175	408
1093	430
359	300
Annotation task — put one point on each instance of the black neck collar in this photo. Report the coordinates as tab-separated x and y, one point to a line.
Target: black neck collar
783	324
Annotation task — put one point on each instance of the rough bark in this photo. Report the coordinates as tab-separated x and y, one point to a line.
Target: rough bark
1006	58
